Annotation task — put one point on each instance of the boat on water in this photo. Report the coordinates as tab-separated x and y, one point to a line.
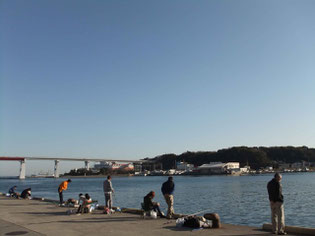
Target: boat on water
42	175
140	174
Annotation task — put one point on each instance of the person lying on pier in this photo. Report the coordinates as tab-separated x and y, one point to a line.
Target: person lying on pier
13	193
86	204
27	193
71	202
149	205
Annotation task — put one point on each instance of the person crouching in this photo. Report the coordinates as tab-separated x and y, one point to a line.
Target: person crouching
150	205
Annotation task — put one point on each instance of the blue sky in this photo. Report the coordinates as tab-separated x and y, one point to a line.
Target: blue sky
135	79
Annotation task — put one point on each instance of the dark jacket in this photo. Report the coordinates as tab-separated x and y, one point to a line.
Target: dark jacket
12	190
275	191
147	203
168	187
25	193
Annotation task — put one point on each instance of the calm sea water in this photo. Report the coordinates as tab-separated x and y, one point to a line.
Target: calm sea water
238	199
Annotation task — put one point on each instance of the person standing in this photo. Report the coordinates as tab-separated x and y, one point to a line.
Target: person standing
167	190
276	204
108	191
62	187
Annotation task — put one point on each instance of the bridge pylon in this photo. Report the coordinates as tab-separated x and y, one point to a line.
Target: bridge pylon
56	169
22	169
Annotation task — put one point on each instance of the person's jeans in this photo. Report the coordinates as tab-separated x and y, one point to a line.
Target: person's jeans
157	208
60	197
170	202
277	217
108	200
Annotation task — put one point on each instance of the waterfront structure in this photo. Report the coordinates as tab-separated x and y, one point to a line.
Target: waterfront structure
86	161
114	166
218	167
184	166
245	169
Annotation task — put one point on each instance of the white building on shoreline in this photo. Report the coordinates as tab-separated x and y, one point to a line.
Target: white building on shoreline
218	167
113	165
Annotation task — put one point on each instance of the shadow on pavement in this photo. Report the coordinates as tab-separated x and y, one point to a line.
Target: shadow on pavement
45	213
174	228
98	220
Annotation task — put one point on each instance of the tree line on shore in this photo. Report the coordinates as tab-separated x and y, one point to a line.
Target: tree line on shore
255	157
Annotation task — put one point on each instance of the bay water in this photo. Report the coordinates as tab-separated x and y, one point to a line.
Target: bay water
239	200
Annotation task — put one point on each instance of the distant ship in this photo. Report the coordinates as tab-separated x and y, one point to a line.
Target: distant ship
41	174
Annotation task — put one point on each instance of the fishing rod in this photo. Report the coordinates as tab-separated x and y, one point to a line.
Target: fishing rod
198	212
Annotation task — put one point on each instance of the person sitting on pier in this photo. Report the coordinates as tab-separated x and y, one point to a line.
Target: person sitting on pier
81	198
12	192
27	193
86	204
80	202
149	205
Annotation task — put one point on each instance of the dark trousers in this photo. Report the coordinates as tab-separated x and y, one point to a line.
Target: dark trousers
60	197
157	208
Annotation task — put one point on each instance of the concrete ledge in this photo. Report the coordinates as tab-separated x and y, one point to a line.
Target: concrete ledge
293	229
50	200
132	211
139	212
38	198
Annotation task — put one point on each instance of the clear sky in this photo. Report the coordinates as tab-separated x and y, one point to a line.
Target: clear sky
134	79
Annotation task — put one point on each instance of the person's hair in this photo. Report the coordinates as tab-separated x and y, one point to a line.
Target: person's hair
15	186
80	194
170	178
152	194
29	189
87	196
69	180
277	175
109	177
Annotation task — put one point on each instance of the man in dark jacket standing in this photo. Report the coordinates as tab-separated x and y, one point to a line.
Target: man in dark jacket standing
167	190
276	204
108	191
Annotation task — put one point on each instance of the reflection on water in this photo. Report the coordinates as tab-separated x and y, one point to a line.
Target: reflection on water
238	199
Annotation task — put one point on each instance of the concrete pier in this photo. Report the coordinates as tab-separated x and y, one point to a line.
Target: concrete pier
35	217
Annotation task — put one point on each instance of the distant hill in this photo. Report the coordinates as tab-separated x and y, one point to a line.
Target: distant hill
255	157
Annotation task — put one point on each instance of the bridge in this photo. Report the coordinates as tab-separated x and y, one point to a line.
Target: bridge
86	161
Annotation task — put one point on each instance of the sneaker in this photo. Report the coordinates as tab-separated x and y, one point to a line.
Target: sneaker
282	233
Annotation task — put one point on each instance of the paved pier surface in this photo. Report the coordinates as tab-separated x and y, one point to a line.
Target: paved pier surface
32	217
